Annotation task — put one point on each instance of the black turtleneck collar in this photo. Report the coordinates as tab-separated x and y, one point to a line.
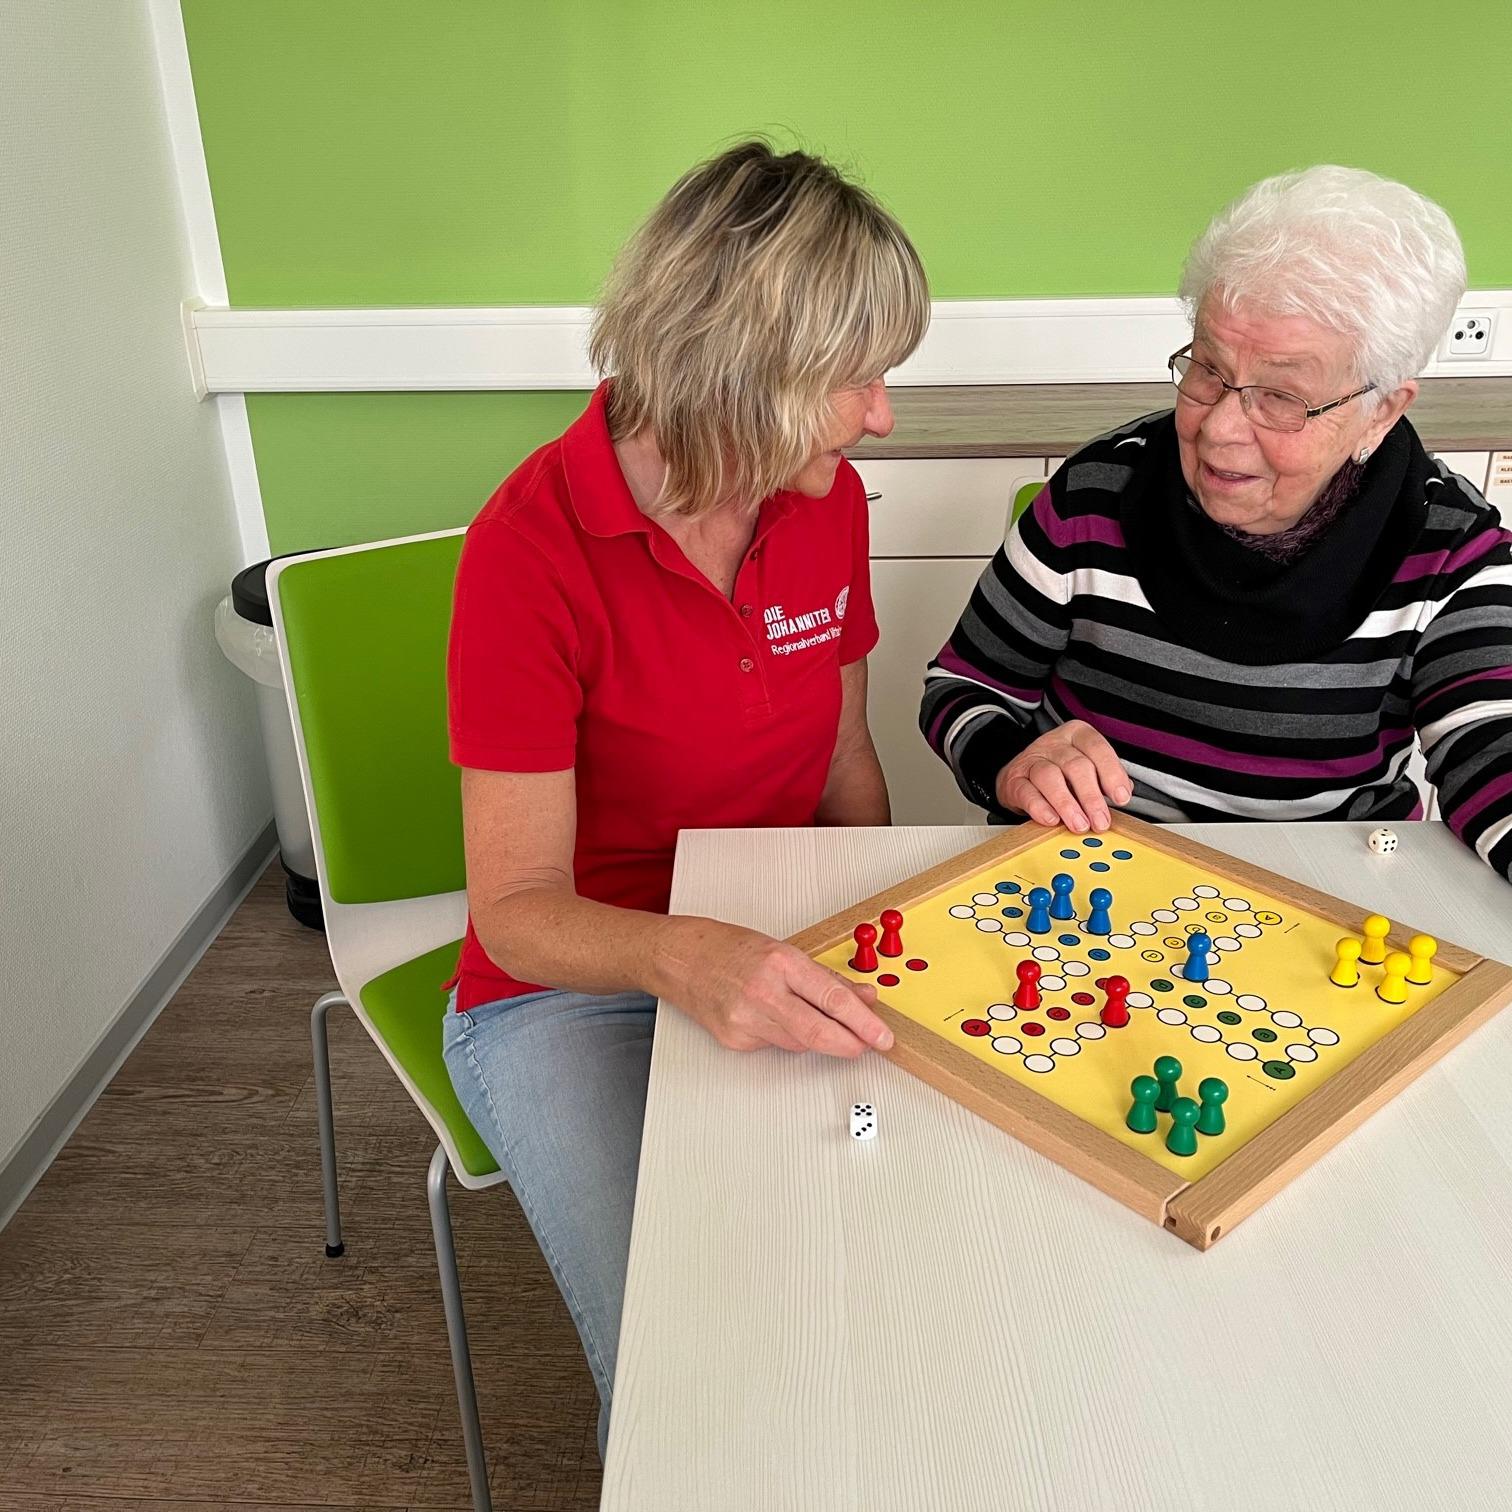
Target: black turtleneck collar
1225	599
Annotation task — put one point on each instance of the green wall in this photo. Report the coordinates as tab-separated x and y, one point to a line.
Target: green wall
339	468
399	152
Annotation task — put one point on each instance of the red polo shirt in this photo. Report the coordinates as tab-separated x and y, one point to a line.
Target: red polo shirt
583	638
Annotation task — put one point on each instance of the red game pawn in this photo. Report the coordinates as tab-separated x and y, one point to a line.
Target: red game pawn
892	933
865	958
1027	995
1115	1012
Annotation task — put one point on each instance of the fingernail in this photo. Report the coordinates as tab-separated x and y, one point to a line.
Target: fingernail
1122	795
885	1040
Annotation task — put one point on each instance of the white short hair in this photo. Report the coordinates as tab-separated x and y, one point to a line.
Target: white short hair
1348	249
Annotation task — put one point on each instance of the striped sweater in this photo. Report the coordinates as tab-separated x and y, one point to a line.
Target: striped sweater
1231	686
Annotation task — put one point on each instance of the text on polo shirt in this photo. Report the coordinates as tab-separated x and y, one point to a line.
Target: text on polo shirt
787	633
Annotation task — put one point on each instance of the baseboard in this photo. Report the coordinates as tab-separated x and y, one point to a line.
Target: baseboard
969	341
24	1166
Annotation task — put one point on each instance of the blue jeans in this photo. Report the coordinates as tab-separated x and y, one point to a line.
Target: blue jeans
555	1084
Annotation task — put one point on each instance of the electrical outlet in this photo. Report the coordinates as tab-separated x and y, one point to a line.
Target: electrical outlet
1470	334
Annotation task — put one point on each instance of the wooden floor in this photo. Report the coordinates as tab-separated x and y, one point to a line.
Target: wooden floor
171	1333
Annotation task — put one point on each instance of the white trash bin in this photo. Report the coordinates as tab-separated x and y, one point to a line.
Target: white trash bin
244	630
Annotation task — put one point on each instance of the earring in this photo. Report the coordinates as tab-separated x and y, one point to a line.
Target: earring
1364	453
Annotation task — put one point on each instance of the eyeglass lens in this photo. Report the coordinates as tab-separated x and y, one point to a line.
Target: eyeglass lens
1270	407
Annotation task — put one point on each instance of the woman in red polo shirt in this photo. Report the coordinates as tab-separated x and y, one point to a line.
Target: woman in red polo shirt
662	621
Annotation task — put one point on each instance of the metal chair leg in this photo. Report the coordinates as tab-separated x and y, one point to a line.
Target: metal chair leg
456	1330
323	1006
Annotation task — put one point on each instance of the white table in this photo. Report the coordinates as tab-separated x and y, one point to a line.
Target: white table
942	1319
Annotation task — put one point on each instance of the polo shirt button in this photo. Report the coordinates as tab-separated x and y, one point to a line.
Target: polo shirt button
745	611
746	664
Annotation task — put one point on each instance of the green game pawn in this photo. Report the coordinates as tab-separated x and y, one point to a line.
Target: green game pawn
1142	1116
1168	1073
1182	1140
1214	1094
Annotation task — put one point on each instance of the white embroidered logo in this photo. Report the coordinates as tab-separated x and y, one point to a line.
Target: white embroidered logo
841	602
787	633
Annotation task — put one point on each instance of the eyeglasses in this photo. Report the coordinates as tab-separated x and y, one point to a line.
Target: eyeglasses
1272	408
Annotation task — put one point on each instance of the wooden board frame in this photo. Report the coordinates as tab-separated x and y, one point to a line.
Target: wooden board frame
1200	1211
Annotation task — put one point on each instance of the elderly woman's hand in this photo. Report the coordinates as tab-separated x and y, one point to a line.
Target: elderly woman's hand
750	991
1068	776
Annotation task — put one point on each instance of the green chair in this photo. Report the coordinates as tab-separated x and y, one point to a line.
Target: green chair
362	637
1023	496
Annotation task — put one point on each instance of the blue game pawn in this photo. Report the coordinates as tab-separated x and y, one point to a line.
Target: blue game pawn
1062	883
1196	968
1038	900
1099	921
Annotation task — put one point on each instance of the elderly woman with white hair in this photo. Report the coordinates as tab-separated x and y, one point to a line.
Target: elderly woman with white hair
662	621
1253	606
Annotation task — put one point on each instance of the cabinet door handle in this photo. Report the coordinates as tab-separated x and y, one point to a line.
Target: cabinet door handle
872	498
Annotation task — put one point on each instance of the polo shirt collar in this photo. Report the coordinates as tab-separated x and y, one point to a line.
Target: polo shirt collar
596	486
600	497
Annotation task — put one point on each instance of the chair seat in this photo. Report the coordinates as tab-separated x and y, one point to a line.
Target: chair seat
405	1007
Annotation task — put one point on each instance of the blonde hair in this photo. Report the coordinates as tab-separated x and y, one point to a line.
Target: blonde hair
758	287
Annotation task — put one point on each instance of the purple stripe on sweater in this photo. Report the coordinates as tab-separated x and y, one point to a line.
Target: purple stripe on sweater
1490	674
1080	530
950	659
1498	787
1202	754
1426	563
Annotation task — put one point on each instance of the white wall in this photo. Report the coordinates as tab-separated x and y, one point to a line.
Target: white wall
130	771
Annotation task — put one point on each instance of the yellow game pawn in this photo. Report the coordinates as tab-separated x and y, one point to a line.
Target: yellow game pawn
1393	988
1375	931
1346	972
1423	948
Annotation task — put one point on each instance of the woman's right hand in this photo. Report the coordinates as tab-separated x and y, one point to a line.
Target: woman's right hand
1068	776
750	991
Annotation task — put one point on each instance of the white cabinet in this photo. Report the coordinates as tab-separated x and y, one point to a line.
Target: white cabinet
954	506
1469	465
1499	485
935	524
918	602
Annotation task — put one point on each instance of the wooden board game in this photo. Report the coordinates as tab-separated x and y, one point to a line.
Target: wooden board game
1303	1060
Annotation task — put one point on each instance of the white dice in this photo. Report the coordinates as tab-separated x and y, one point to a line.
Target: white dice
863	1121
1382	841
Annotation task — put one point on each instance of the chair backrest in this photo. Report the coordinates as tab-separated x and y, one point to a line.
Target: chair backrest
364	632
1023	496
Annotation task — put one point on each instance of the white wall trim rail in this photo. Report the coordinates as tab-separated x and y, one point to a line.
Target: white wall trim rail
545	347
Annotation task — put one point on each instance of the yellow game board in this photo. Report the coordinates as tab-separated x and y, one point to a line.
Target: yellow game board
1304	1061
1268	1022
